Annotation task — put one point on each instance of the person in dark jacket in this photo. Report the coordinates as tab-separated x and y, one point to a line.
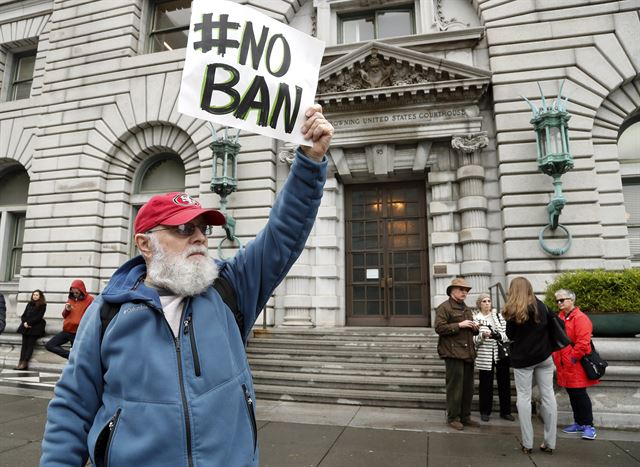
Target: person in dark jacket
527	319
168	383
73	311
570	374
31	327
455	327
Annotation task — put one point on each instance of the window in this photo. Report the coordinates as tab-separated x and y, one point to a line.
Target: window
376	24
22	77
164	173
631	193
15	254
629	156
161	173
14	187
170	21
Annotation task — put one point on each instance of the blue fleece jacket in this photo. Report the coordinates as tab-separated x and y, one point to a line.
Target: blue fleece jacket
143	396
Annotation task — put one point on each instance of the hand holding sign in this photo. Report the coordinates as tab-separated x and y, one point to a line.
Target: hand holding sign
249	71
318	130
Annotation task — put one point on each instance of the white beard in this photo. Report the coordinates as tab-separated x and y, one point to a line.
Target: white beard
178	273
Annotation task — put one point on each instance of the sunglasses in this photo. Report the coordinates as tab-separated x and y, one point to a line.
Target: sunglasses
187	230
561	300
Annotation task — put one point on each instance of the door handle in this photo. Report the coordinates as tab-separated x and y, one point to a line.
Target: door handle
389	282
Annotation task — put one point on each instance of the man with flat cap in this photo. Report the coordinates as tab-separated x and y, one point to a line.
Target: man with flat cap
456	328
166	382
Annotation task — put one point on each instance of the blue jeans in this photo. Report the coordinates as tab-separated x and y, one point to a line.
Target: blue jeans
55	343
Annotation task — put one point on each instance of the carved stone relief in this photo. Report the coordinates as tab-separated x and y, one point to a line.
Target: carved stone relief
442	22
470	143
376	71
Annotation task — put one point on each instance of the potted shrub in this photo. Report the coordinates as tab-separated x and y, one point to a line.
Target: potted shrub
611	299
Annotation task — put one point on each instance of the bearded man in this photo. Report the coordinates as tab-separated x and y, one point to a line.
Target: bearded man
167	383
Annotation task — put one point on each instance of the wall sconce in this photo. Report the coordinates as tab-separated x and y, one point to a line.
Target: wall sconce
224	178
554	159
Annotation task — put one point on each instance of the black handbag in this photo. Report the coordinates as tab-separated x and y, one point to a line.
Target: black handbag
557	335
503	350
594	365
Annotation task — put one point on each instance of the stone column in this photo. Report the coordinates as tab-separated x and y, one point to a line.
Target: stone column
299	281
444	236
472	208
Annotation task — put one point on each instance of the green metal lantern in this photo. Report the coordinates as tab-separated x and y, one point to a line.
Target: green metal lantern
224	178
554	159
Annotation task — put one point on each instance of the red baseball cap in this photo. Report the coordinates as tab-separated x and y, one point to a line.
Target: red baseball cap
174	209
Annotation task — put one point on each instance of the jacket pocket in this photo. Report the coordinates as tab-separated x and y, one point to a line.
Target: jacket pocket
105	438
188	329
252	416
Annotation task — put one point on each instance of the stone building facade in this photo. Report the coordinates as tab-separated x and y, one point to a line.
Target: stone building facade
433	165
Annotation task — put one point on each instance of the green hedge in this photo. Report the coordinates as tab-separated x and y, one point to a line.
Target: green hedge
599	291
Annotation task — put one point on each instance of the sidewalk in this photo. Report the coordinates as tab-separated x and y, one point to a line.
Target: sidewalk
319	435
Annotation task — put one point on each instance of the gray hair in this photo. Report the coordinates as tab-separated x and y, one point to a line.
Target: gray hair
566	293
481	297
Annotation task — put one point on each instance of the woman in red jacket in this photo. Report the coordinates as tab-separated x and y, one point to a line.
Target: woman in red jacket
570	373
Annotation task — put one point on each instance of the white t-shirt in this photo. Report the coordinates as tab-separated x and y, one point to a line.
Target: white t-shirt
172	306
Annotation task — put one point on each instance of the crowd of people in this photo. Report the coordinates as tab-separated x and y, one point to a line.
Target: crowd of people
517	338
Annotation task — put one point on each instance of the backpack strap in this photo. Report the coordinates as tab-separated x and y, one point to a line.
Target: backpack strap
222	285
107	312
228	295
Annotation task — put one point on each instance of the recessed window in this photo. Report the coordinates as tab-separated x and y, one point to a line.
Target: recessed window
22	77
376	24
14	188
629	156
169	25
631	193
165	173
161	173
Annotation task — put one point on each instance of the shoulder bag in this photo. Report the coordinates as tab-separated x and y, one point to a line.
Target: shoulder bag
594	365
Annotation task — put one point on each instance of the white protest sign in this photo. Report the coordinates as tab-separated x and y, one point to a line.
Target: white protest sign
246	70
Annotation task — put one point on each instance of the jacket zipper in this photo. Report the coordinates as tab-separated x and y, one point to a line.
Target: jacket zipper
185	405
252	416
188	329
112	428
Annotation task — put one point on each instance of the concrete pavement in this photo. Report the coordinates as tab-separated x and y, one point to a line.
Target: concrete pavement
320	435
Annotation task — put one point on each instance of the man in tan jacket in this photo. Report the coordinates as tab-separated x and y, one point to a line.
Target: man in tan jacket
455	327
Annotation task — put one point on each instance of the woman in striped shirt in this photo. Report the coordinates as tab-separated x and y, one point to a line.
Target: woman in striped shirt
488	361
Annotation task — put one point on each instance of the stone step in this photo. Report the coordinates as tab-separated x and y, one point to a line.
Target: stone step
344	345
372	383
345	354
353	332
351	337
352	397
351	368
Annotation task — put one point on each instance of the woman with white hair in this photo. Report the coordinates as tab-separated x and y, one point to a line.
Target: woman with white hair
569	371
490	360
